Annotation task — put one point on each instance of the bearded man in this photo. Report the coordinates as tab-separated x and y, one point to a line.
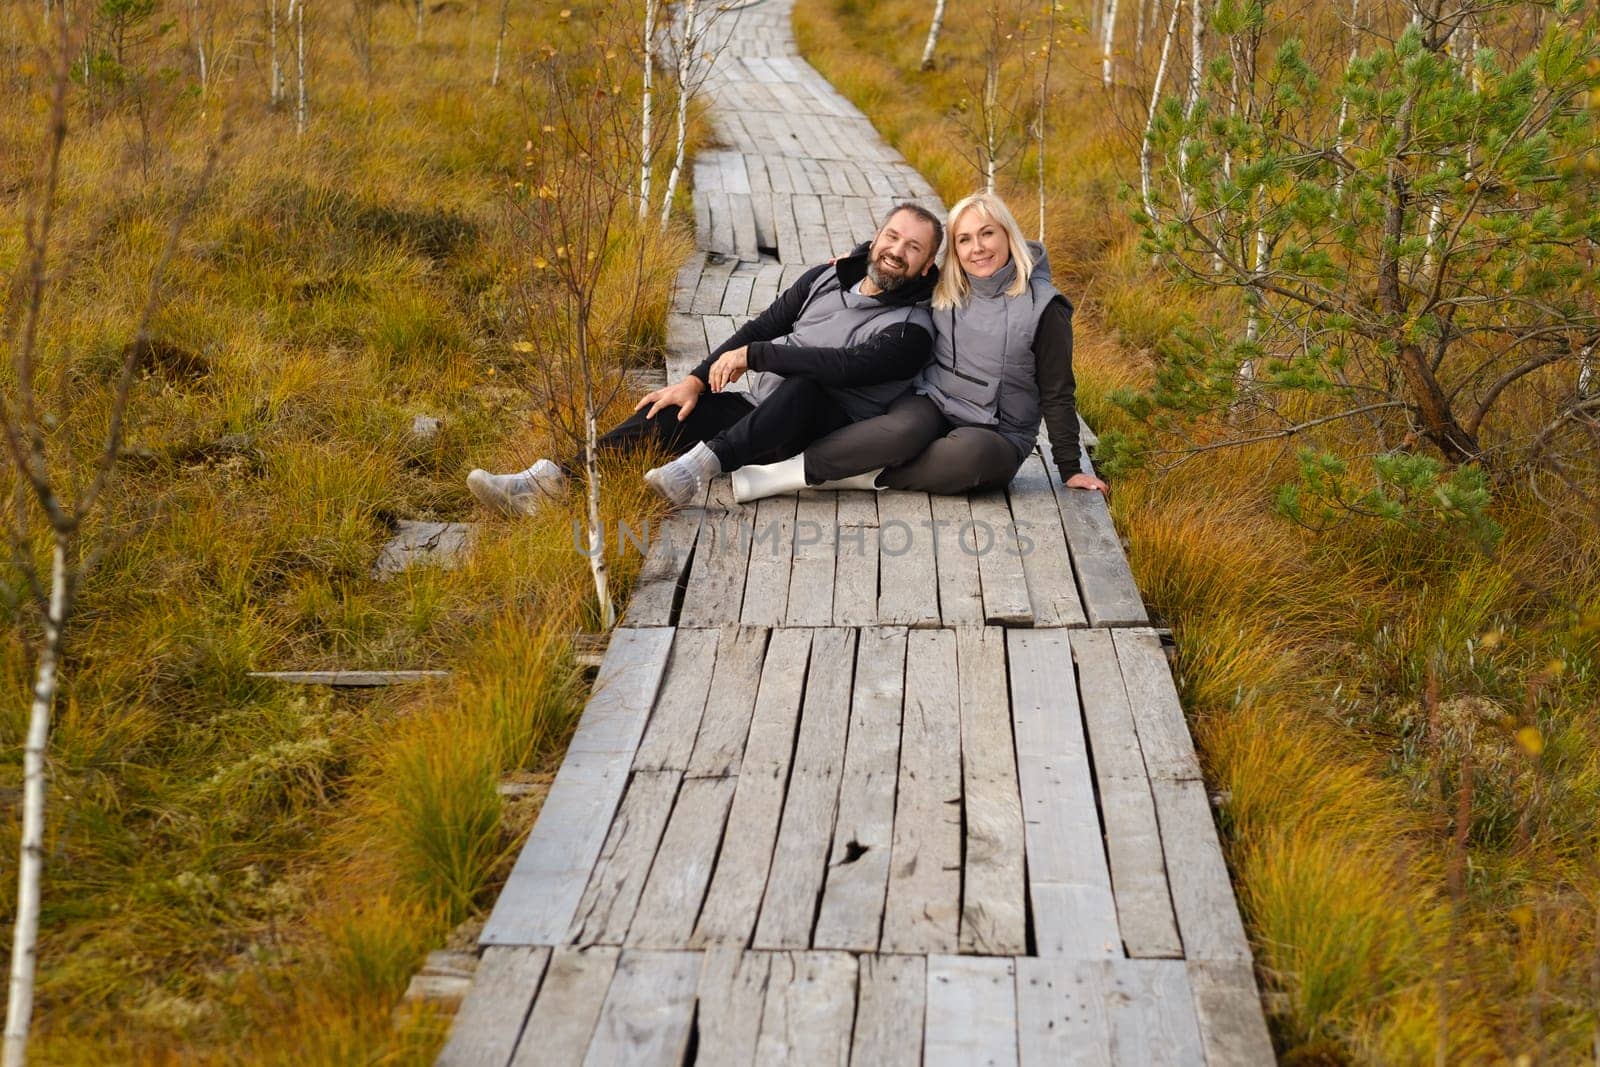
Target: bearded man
836	347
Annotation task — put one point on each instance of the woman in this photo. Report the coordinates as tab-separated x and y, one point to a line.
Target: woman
1002	362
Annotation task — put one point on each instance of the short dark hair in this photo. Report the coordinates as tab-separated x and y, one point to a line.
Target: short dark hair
922	213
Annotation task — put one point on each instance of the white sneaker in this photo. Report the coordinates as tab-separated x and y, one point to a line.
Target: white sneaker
518	494
683	481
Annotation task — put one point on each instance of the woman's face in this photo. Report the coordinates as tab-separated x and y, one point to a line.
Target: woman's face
981	245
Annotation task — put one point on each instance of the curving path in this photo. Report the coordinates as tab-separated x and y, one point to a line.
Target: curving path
870	778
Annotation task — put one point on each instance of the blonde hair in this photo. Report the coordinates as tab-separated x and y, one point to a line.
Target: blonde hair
953	289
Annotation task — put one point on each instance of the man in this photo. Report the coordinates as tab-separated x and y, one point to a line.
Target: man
834	348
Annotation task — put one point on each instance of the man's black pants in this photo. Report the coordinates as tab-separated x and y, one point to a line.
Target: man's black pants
798	412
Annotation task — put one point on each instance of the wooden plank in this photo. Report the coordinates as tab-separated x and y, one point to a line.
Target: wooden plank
687	280
1046	562
855	576
810	1003
742	216
734	899
713	283
1202	895
613	895
768	282
1157	715
923	908
1150	1014
1061	1015
677	883
669	738
661	575
1133	840
993	915
733	991
648	1011
720	236
800	857
736	297
1233	1029
552	871
890	996
1005	588
766	589
811	579
715	591
1069	882
564	1014
790	250
1110	596
908	587
851	916
719	747
489	1021
972	1012
956	558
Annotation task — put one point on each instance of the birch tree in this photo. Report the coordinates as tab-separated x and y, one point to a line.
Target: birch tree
275	75
934	29
1454	358
646	149
1041	121
1108	41
500	42
60	473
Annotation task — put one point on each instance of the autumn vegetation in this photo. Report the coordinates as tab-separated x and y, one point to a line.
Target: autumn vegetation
1388	636
238	870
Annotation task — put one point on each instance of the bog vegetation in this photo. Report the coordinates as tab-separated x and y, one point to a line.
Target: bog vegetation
237	869
1335	270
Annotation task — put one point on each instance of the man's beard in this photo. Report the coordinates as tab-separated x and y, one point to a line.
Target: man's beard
885	281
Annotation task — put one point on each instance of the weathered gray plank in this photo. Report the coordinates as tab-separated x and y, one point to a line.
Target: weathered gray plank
1110	596
923	907
489	1021
721	555
736	297
811	997
891	994
956	556
811	579
719	747
766	589
972	1012
569	1001
734	899
677	883
655	592
619	875
851	916
1157	715
1133	840
1068	878
1233	1029
713	283
648	1011
742	216
1005	588
548	881
733	991
908	588
1150	1014
1061	1015
993	919
855	576
1202	895
669	738
1046	562
800	858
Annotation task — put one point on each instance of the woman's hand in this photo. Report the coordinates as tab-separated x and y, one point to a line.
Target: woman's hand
729	368
1088	481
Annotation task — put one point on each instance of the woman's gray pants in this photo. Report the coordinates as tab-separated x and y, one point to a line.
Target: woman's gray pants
918	448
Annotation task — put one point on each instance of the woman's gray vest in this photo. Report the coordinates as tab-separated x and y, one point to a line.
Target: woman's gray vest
983	369
834	317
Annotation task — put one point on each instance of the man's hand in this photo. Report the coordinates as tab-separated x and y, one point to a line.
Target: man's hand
1088	481
729	368
684	394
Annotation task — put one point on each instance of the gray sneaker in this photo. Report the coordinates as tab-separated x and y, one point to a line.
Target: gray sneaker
519	494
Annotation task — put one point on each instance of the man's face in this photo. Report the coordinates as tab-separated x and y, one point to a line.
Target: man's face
902	250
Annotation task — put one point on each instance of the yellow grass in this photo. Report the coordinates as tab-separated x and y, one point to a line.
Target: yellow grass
1337	683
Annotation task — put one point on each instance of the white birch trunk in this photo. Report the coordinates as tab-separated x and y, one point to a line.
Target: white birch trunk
1155	100
1586	372
199	43
1108	40
933	35
647	107
597	545
25	934
500	42
1138	31
422	11
1340	145
686	46
991	103
300	66
1197	29
1044	104
276	78
1252	326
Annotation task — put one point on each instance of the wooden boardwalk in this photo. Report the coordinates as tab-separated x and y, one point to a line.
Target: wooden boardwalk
866	778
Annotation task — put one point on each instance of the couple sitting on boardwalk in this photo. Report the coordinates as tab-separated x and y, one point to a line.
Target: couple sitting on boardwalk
842	392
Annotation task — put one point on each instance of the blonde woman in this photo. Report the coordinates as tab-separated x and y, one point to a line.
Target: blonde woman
1002	364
